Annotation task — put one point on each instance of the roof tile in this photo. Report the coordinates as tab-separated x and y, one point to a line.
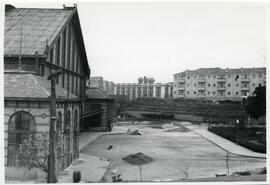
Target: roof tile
37	25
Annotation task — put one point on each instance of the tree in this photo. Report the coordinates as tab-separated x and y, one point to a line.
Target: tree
34	151
255	105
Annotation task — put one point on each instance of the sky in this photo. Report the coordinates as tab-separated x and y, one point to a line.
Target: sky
127	40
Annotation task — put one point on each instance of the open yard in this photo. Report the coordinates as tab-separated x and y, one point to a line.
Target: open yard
177	154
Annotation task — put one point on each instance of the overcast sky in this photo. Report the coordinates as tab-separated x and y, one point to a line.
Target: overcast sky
126	40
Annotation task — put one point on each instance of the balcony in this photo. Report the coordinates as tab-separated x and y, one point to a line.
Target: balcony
201	80
220	88
181	88
181	81
243	88
219	79
201	88
245	79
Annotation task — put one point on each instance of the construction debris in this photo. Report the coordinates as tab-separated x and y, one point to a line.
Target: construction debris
138	159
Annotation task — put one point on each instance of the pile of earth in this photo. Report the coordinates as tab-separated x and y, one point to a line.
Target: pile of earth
138	159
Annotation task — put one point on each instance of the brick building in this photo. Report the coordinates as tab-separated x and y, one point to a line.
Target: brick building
38	42
217	83
146	87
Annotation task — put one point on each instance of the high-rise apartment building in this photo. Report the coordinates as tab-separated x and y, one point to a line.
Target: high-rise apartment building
217	83
146	87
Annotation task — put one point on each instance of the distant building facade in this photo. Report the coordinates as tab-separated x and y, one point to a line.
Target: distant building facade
96	81
108	87
217	83
50	39
146	87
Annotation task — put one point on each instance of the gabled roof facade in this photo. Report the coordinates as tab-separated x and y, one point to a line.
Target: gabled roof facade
31	31
35	28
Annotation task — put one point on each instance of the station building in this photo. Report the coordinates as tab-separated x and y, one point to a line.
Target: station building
37	42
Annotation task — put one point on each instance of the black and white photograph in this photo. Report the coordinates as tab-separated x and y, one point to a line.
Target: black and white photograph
134	91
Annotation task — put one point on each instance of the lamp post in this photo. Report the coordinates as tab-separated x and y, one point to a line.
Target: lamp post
236	125
51	162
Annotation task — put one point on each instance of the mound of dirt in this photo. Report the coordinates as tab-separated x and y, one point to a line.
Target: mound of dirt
138	159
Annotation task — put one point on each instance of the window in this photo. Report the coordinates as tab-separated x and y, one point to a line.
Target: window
20	126
253	84
195	76
68	123
195	92
214	85
195	85
254	76
63	80
208	92
236	93
229	76
260	75
229	93
187	92
237	85
51	55
188	77
214	93
57	53
214	77
64	47
209	85
209	77
229	85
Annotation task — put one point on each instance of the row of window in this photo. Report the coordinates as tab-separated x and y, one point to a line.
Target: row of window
180	85
22	125
244	76
66	56
222	93
70	81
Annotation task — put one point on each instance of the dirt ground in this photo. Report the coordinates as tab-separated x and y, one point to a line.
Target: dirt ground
179	154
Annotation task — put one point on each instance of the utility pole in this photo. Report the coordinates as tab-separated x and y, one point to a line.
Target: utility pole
51	162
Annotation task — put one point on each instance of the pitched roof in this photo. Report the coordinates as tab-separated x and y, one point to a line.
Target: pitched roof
34	27
95	93
21	84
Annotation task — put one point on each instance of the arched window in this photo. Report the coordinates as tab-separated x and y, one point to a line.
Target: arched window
21	125
67	124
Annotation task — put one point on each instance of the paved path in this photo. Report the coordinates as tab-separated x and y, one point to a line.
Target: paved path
92	168
222	142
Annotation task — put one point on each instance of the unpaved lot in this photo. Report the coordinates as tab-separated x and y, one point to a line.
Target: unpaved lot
177	155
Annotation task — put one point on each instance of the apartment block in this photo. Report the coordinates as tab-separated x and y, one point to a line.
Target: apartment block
96	81
146	87
217	83
108	87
